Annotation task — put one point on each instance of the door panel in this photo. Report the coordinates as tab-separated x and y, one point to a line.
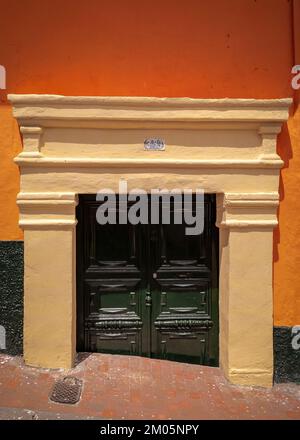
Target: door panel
181	288
147	290
110	284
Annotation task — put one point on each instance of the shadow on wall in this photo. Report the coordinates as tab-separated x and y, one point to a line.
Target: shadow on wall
284	149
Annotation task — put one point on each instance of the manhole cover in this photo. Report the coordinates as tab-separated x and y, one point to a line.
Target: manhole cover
66	390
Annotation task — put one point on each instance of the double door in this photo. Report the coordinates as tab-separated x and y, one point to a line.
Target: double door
147	290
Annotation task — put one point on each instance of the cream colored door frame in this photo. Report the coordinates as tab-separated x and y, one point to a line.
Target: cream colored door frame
76	145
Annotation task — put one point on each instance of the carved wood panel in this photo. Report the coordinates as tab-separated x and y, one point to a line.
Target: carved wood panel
147	290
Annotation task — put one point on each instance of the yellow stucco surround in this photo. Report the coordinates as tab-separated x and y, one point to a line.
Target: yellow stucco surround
76	145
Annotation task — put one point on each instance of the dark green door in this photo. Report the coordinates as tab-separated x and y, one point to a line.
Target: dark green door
147	290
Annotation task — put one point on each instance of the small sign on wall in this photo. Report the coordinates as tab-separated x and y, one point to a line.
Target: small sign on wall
155	144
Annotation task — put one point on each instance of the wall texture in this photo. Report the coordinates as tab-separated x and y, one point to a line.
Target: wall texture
11	294
191	48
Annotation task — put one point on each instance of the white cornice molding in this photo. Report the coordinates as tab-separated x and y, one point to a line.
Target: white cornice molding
247	210
75	162
39	110
47	224
50	210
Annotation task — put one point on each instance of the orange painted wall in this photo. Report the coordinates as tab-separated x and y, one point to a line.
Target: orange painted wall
233	48
9	175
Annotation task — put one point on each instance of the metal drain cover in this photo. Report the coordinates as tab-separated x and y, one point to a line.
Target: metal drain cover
67	390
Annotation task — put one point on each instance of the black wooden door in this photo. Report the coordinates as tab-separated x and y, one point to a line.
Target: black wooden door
147	290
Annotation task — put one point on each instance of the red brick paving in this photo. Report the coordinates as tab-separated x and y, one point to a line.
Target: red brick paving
124	387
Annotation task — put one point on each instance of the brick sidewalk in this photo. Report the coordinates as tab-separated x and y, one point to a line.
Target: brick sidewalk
124	387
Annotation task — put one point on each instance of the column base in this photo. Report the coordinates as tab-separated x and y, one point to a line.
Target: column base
254	378
56	362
